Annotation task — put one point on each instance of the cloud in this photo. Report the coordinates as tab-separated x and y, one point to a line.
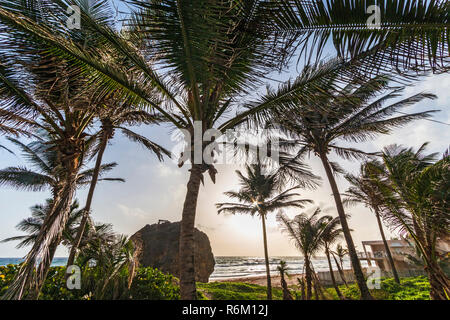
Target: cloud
166	171
133	212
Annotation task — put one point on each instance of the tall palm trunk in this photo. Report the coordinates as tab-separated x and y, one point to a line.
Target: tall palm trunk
386	247
286	293
317	287
54	221
87	208
301	281
439	284
308	277
187	245
359	275
48	263
266	257
333	279
341	272
65	211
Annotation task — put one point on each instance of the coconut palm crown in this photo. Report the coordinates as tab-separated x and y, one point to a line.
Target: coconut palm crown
259	195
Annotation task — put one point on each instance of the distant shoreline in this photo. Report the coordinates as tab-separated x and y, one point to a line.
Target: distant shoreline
262	280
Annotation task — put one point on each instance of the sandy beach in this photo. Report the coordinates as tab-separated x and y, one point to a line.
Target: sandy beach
261	280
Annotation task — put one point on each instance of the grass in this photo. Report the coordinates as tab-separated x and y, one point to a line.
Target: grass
235	291
416	288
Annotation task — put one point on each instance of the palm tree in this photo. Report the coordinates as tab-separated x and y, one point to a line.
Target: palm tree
45	169
112	118
362	190
340	252
408	36
109	257
330	234
214	52
353	113
282	269
47	173
305	231
416	191
259	195
33	224
43	86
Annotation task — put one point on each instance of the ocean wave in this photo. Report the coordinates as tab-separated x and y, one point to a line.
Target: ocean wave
235	267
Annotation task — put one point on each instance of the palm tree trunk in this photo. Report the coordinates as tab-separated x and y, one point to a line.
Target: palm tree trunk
439	284
34	294
308	278
386	247
87	208
341	272
341	297
57	218
301	282
186	255
266	257
286	293
359	275
316	291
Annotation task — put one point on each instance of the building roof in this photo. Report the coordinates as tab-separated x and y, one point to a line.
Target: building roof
391	243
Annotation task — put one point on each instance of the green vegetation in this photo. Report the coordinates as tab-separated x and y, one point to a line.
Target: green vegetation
148	284
259	195
192	62
152	284
417	288
236	291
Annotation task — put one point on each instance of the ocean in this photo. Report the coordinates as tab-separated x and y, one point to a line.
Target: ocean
233	267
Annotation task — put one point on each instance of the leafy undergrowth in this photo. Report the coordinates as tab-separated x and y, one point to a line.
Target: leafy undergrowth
235	291
148	284
417	288
152	284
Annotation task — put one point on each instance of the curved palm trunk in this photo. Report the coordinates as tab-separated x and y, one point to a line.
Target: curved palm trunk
87	208
341	272
266	257
317	285
333	279
359	275
439	284
34	294
386	247
301	281
286	293
186	254
308	277
49	235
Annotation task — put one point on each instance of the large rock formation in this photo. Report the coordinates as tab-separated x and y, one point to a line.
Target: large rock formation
158	244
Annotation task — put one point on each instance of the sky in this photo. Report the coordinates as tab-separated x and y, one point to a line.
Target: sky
155	190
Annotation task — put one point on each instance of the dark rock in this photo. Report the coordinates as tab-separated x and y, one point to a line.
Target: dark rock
158	244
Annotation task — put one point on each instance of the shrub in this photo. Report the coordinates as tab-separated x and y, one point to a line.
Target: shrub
148	284
151	284
417	288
